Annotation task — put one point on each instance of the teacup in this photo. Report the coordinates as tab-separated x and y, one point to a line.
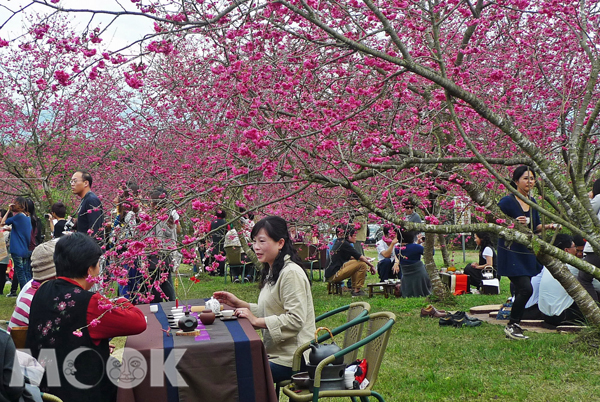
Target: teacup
227	313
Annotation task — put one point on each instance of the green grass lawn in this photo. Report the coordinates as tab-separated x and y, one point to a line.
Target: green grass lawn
424	362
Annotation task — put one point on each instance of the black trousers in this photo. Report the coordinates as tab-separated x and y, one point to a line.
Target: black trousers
523	291
586	279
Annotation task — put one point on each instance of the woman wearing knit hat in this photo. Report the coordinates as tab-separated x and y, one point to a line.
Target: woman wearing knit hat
42	264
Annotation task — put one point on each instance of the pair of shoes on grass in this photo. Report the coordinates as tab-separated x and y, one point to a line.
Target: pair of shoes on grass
459	319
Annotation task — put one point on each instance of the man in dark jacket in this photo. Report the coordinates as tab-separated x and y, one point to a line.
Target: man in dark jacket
347	262
90	215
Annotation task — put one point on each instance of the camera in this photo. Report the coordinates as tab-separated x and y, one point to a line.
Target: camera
69	225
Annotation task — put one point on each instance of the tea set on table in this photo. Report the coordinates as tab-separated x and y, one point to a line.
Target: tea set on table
186	318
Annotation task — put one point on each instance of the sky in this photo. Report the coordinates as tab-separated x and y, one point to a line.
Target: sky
123	31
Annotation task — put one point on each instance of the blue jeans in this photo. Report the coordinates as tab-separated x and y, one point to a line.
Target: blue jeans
22	269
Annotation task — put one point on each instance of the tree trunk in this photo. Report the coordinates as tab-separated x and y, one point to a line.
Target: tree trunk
439	290
444	249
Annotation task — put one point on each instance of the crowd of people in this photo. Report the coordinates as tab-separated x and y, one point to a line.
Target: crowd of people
62	312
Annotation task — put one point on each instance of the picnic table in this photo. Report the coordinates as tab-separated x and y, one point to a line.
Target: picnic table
226	362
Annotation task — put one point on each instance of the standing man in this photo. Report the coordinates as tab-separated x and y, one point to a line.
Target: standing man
90	215
410	214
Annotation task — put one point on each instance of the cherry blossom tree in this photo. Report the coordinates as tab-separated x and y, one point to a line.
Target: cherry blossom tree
433	100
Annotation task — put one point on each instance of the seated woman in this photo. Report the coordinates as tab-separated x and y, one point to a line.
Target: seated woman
74	325
385	253
415	280
285	311
487	257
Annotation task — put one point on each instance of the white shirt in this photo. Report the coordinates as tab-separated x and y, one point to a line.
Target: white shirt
596	207
535	284
553	299
382	246
488	252
232	239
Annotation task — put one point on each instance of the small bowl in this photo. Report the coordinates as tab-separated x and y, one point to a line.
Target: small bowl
227	313
302	380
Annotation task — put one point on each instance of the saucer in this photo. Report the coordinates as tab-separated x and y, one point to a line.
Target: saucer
229	318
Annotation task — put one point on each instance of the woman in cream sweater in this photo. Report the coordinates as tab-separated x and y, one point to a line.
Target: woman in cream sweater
284	311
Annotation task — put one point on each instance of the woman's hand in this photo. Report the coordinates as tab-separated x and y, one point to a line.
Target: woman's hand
396	268
230	299
246	313
522	220
552	226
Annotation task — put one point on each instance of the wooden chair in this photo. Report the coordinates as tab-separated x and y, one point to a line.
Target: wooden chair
375	343
19	335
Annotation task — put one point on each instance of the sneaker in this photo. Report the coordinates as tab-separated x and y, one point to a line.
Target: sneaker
236	280
11	295
359	293
514	331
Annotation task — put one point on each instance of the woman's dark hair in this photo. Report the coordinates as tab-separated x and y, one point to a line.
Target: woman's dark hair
596	188
75	254
520	171
37	228
485	240
59	209
405	236
387	228
221	214
277	229
20	205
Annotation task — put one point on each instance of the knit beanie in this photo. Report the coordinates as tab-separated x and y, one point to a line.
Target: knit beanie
42	261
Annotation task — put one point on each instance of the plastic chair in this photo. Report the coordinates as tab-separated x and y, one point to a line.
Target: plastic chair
19	335
352	332
233	259
375	343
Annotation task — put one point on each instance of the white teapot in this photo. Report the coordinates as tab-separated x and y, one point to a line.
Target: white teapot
213	305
